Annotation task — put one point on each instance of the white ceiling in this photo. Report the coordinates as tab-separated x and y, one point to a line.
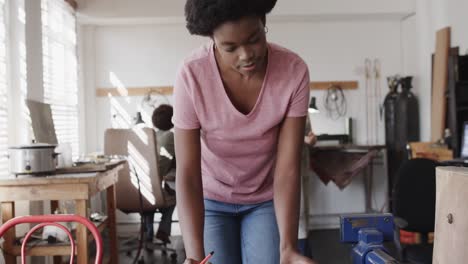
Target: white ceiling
139	10
131	8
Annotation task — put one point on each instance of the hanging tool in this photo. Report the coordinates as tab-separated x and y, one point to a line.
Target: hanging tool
335	102
378	99
369	134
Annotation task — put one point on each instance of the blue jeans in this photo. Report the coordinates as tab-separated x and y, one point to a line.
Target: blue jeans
237	233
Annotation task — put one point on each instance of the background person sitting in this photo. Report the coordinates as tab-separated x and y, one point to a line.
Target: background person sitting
162	121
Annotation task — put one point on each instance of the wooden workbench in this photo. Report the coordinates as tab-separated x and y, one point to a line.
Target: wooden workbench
338	152
79	187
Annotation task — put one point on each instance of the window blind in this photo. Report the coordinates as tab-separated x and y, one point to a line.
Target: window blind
60	74
3	91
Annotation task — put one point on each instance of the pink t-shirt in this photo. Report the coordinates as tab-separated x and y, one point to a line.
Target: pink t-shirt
238	151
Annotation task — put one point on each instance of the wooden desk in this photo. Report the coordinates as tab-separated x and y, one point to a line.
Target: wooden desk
349	147
367	171
79	187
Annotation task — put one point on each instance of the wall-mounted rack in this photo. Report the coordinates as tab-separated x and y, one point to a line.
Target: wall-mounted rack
167	90
345	85
133	91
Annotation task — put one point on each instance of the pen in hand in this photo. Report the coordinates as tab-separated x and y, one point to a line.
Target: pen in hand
205	260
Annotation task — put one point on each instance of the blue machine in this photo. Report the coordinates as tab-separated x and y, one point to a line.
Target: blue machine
368	232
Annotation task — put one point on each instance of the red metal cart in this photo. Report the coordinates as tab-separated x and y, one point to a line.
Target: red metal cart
45	220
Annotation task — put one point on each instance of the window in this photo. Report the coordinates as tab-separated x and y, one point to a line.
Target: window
3	91
60	69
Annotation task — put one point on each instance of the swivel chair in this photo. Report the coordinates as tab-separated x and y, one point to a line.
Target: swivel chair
414	209
140	186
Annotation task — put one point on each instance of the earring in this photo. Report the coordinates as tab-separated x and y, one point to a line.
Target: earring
266	29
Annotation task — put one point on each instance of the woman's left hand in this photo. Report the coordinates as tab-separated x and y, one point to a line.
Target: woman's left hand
293	257
310	138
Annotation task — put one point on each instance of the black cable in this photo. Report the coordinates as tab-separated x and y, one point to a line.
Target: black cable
335	102
142	225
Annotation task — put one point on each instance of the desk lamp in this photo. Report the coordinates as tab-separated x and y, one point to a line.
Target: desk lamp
313	106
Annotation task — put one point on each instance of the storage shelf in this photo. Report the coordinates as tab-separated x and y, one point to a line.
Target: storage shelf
43	248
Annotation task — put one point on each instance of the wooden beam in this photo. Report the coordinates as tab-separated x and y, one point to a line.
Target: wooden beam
133	91
168	90
345	85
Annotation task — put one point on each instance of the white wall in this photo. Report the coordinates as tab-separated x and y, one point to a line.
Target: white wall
336	51
148	55
420	31
137	55
145	55
457	19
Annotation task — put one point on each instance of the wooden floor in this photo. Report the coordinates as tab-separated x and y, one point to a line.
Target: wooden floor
324	247
156	256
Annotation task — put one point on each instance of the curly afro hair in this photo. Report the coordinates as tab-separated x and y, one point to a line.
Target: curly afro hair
162	117
203	16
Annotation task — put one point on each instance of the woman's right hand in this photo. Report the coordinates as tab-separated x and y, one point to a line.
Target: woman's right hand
293	257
